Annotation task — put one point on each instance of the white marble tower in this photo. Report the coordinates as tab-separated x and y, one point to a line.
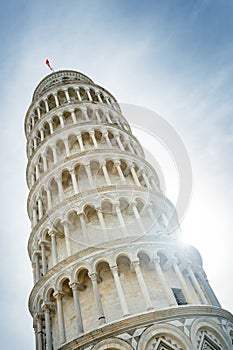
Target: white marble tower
109	273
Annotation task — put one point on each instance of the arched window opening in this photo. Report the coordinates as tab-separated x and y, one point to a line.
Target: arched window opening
73	143
49	157
51	102
54	192
46	129
83	94
94	96
56	122
91	113
144	259
60	147
67	118
66	181
41	165
61	97
87	141
99	136
91	215
44	200
72	94
79	115
42	108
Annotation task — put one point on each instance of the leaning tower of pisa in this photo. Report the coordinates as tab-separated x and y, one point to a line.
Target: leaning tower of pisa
109	269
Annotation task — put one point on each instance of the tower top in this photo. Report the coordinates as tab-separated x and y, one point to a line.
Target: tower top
61	76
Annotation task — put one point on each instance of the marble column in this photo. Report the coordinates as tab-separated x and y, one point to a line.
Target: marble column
49	345
74	181
135	177
43	256
99	306
162	279
105	172
80	141
120	292
60	316
67	237
117	165
121	220
196	284
40	208
51	128
77	308
182	281
39	332
60	188
212	297
49	199
37	263
56	100
138	217
87	167
142	285
54	247
92	134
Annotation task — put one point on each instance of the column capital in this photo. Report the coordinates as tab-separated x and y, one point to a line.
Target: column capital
48	306
43	242
52	233
117	162
36	253
136	264
93	276
76	286
102	162
114	269
58	294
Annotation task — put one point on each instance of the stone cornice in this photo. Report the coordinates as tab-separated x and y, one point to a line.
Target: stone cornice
145	319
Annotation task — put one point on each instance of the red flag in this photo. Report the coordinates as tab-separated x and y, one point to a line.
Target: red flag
48	64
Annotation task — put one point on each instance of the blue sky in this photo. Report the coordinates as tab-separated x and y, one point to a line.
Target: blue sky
174	57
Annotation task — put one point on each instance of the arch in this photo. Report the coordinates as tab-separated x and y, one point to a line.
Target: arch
66	181
67	118
79	114
93	95
61	279
42	108
206	326
60	148
61	97
73	143
90	213
112	344
48	293
72	94
51	101
46	129
40	164
54	191
161	331
56	122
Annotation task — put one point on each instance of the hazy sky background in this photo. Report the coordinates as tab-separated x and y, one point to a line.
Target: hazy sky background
174	57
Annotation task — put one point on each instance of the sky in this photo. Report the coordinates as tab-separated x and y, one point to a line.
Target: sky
174	57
